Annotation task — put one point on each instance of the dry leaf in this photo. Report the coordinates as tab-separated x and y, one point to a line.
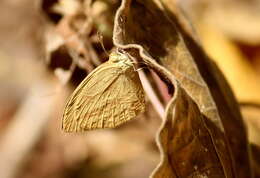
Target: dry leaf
255	159
151	28
186	144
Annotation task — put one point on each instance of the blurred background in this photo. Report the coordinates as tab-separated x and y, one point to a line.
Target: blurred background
48	46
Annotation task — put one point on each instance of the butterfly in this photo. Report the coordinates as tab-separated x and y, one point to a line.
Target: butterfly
109	96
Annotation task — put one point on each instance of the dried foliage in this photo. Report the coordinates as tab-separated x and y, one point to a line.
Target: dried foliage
181	56
192	126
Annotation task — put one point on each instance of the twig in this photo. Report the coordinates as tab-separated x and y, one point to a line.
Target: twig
151	94
249	104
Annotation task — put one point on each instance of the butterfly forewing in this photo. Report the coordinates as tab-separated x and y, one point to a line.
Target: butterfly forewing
108	97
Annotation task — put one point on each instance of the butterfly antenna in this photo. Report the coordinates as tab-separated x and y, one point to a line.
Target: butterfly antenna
100	37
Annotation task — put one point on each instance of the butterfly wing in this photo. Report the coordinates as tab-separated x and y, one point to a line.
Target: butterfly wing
106	98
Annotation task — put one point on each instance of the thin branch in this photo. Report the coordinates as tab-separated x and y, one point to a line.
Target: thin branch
158	106
249	104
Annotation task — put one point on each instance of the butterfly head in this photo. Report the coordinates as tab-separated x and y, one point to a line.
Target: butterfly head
120	58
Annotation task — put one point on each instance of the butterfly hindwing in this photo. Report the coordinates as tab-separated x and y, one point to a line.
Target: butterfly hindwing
105	99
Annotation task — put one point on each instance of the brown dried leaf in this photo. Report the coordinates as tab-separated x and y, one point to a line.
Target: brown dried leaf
256	159
193	155
152	29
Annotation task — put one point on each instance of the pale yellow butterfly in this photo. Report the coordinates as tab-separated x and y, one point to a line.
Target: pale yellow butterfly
109	96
